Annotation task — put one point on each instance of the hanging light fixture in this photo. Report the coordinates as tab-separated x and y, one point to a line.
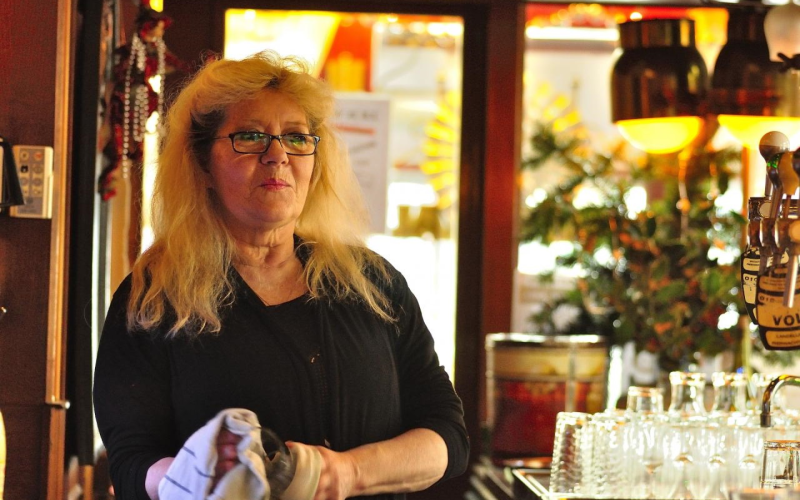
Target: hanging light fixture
747	88
658	85
782	30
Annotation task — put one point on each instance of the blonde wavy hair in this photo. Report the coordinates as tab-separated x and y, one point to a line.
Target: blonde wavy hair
183	280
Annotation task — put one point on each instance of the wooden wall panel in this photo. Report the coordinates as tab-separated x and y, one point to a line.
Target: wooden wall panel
27	66
29	49
24	468
188	40
24	254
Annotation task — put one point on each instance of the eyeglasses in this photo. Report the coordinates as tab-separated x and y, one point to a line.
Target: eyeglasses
259	142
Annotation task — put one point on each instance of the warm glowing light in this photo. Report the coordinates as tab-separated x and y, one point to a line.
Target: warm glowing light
305	34
417	27
155	83
436	29
636	201
454	29
587	196
535	198
533	32
157	5
749	130
661	135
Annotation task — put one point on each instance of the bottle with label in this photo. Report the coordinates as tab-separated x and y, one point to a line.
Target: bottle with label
778	325
751	257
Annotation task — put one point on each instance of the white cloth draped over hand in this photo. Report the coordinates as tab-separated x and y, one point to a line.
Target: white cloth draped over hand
192	472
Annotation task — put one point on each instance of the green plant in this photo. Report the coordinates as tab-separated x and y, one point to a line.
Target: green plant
657	277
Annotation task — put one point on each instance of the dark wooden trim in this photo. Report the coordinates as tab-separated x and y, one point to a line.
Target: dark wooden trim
504	65
81	296
471	218
53	451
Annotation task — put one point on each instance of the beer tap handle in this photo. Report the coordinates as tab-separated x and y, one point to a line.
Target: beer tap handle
789	179
770	249
793	244
772	144
793	249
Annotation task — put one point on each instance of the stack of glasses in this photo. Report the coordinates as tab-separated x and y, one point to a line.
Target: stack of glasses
683	452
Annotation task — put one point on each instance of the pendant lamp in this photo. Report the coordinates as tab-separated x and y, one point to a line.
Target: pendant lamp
782	27
658	85
747	88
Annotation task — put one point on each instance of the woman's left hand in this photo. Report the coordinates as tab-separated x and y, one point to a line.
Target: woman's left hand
409	462
338	474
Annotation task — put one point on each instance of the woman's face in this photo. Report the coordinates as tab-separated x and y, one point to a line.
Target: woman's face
261	192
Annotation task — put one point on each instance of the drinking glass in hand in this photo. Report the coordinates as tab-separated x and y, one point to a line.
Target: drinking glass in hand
781	463
279	463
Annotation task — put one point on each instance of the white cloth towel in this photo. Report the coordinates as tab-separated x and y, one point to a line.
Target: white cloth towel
192	472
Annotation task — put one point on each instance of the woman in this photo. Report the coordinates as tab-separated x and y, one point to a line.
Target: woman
259	293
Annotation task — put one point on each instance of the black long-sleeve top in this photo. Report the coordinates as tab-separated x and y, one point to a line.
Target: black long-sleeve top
318	372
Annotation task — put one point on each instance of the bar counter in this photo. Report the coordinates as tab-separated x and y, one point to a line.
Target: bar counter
492	482
523	481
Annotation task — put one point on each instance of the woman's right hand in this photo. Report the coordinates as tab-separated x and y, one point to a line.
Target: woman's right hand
227	454
154	475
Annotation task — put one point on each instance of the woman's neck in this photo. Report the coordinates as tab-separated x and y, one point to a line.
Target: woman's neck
271	269
268	251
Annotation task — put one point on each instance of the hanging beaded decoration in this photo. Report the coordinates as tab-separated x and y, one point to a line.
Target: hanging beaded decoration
136	100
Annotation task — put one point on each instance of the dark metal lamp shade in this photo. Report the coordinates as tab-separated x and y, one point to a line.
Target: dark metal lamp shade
748	90
745	81
659	76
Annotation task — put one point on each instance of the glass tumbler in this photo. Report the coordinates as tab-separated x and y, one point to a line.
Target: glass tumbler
607	472
645	400
781	464
571	453
685	466
647	452
687	396
745	456
730	393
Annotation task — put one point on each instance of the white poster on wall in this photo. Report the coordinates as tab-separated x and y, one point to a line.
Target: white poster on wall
363	122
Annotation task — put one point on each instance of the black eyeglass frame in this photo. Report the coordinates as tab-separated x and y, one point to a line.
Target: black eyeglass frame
269	142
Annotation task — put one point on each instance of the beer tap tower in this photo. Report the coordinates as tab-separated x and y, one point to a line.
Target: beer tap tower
774	242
